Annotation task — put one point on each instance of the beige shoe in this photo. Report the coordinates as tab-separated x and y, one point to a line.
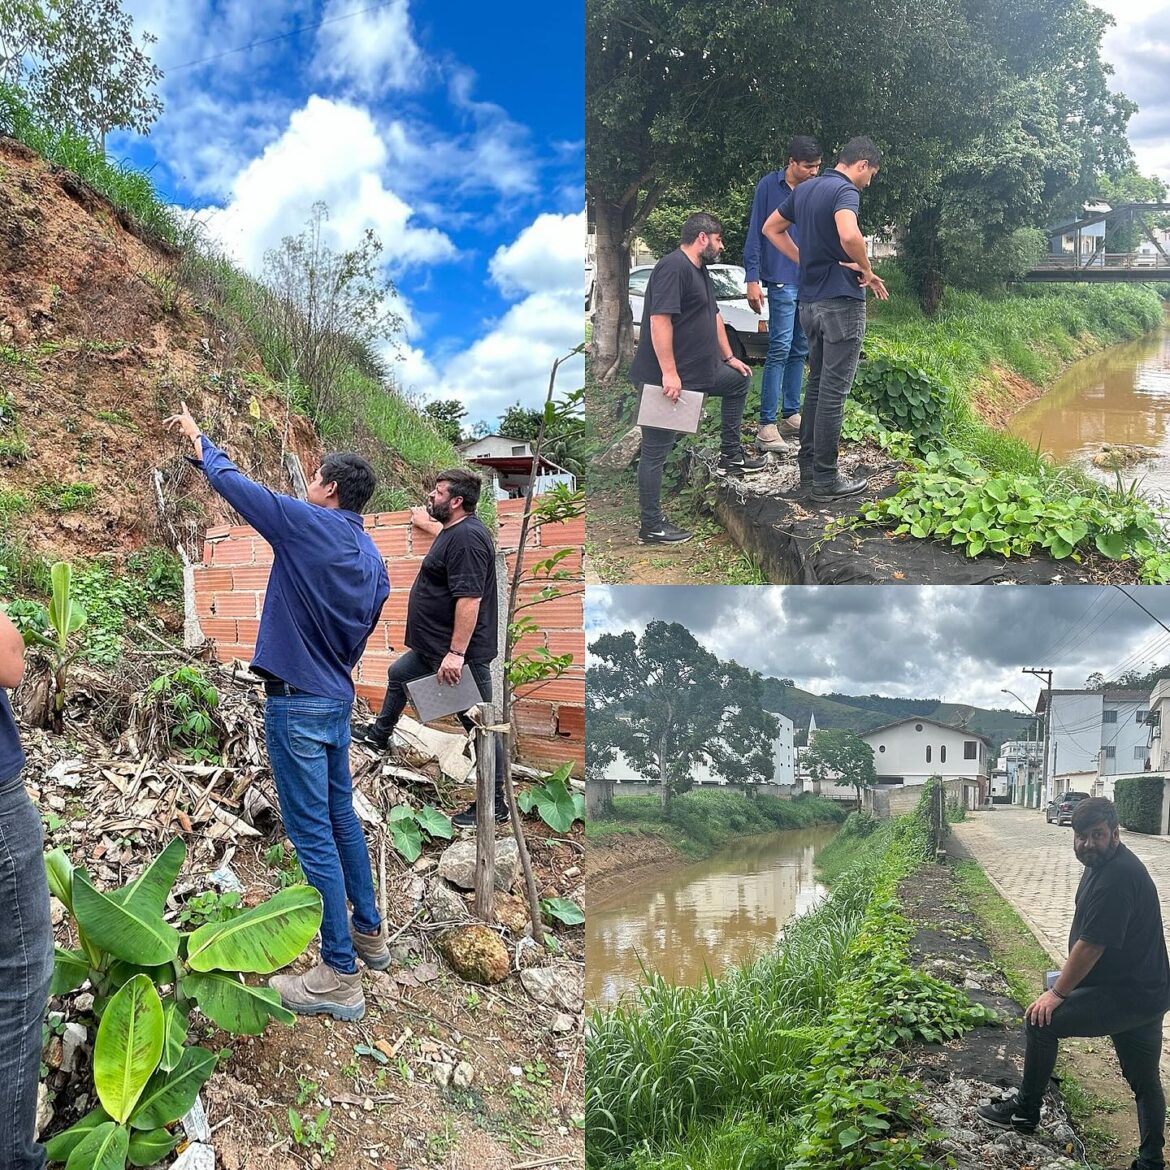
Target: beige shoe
322	991
768	439
371	948
790	426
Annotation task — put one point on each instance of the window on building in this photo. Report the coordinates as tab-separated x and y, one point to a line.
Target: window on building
970	749
881	747
928	753
917	726
1109	715
522	449
942	754
1143	715
1140	753
1110	753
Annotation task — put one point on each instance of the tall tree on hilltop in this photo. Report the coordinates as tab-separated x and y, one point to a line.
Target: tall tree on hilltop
447	414
843	757
667	704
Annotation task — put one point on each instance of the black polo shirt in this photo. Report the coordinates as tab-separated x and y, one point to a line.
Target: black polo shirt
1117	907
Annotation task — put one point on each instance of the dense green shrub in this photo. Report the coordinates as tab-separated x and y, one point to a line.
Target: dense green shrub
901	393
1139	803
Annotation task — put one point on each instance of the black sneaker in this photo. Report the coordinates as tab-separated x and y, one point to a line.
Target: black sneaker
743	462
466	818
1007	1115
839	489
664	533
368	737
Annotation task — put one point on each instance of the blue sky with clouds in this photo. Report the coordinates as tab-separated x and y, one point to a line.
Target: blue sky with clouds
454	130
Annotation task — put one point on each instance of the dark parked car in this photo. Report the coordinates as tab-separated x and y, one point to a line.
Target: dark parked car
1060	810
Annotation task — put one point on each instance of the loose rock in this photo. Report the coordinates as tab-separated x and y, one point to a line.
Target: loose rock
463	1075
557	986
475	953
444	903
457	864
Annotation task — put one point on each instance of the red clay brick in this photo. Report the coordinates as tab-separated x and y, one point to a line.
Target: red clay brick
233	552
247	633
218	530
395	608
374	667
568	642
420	541
254	577
208	549
534	718
391	519
203	604
244	530
212	580
403	573
372	694
571	722
241	605
566	689
390	542
530	642
558	613
396	636
566	532
551	753
221	629
227	651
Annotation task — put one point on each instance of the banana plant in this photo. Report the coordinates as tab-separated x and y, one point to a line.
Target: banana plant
147	977
66	615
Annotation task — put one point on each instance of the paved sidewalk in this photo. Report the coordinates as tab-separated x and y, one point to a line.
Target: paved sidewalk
1032	865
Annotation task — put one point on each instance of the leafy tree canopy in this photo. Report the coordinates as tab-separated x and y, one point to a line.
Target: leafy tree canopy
843	757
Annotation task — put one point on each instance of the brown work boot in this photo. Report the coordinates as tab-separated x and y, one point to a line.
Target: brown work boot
768	438
790	427
371	948
322	991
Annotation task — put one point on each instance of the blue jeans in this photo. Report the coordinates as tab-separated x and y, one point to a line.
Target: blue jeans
412	665
787	350
308	747
26	966
1136	1032
835	329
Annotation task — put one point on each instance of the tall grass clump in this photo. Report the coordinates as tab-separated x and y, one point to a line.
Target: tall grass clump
791	1061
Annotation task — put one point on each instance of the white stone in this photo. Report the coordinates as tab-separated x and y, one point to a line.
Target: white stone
457	864
195	1157
72	1042
44	1109
563	1023
442	1074
463	1075
557	986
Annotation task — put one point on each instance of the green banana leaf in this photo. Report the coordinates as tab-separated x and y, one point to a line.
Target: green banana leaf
174	1036
70	970
59	871
228	1001
126	932
169	1095
103	1148
150	889
260	940
152	1146
128	1046
59	1148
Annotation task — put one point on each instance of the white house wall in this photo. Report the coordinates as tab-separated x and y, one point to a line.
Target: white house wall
1079	735
901	751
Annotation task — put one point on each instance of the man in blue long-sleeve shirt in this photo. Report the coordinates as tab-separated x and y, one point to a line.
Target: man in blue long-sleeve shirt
324	597
779	272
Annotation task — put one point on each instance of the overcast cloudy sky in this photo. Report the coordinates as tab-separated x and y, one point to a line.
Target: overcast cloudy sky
1138	48
454	132
958	643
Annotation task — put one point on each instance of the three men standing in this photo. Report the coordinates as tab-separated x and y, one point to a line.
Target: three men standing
832	256
777	267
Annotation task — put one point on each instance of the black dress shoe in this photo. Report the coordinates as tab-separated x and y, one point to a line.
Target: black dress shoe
840	489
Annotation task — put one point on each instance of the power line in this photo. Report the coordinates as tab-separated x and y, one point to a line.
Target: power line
279	37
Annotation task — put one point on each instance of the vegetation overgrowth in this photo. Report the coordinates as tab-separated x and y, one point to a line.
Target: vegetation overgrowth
700	822
792	1061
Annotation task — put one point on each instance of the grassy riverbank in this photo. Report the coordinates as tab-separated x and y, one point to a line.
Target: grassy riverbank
699	823
791	1061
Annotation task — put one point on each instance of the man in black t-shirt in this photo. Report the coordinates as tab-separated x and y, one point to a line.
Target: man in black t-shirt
683	346
26	937
1115	982
451	617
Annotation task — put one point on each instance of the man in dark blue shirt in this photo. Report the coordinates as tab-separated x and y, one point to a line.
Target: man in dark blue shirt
778	267
324	597
26	936
834	273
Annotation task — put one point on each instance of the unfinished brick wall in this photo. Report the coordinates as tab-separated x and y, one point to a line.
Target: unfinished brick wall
549	717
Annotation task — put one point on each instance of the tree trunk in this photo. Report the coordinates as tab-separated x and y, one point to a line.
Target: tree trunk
613	329
924	260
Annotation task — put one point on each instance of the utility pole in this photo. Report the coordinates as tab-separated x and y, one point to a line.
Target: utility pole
1046	677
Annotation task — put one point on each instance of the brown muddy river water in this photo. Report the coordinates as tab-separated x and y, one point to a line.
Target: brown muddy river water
709	915
1120	396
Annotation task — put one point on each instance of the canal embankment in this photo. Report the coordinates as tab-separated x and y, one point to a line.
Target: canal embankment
867	1038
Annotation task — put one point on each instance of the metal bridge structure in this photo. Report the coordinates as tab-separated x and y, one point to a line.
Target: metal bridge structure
1077	249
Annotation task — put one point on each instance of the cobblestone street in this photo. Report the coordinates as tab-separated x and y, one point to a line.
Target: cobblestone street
1033	866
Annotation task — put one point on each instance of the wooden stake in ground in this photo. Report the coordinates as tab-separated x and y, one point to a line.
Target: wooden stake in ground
485	814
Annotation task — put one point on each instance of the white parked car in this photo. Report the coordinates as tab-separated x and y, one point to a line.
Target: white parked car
747	333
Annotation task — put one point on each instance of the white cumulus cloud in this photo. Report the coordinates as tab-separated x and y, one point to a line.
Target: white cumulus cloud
368	51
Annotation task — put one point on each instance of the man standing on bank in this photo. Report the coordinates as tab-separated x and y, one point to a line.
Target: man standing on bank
26	936
324	597
778	267
683	346
451	617
834	274
1115	982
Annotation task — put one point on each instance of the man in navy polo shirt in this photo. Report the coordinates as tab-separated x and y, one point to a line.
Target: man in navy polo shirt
26	936
779	269
324	598
834	274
